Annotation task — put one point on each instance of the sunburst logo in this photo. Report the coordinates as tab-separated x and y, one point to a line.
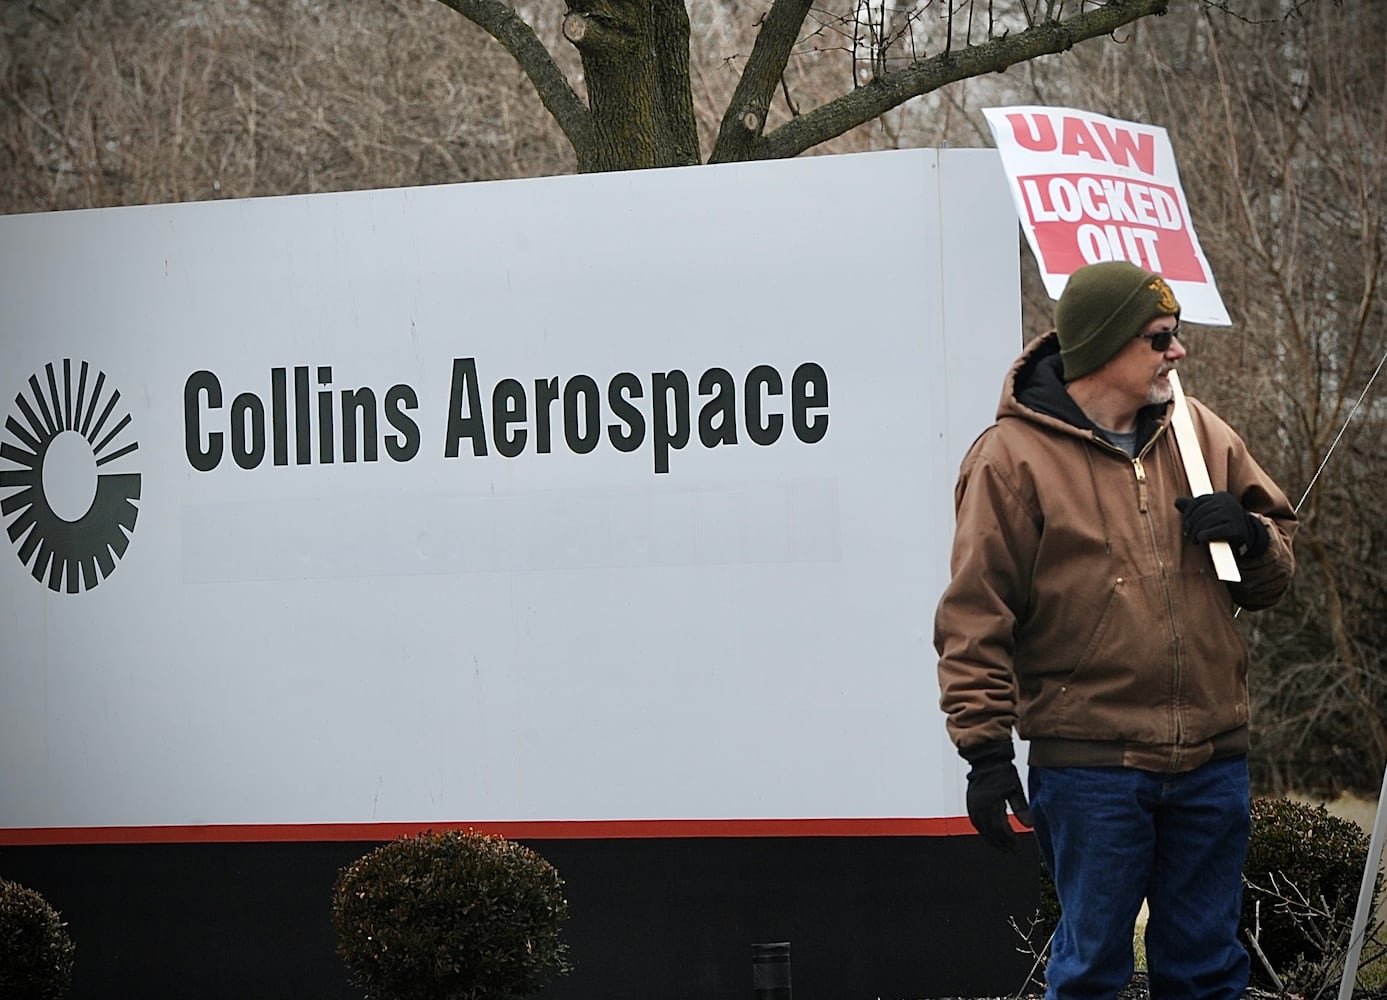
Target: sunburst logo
70	522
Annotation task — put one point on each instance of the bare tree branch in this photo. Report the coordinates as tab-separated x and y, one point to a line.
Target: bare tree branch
671	29
994	55
501	22
745	117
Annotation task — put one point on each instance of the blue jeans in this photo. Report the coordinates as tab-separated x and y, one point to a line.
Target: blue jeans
1113	836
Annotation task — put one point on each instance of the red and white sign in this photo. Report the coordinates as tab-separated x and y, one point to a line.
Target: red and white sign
1090	188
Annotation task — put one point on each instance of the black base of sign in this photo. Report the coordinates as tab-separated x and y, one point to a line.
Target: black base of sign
868	917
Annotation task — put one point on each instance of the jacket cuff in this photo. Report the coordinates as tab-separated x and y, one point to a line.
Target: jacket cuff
1260	539
988	753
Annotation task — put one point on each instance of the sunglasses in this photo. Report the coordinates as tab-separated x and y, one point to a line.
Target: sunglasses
1160	340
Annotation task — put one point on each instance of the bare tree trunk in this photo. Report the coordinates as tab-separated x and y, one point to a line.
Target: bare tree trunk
636	66
746	114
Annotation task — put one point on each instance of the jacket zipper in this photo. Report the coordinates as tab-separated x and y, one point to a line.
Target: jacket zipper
1144	508
1177	648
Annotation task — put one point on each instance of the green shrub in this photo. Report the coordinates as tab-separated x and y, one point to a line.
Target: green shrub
36	954
1304	868
1047	914
450	916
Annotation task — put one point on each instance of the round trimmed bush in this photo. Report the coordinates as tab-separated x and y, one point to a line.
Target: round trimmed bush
450	916
1299	852
36	954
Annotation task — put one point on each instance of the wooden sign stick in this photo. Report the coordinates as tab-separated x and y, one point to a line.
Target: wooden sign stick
1198	474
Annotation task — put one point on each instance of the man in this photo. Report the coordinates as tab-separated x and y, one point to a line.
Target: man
1084	610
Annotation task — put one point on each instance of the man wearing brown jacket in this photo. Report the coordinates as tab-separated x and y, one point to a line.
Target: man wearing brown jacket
1085	613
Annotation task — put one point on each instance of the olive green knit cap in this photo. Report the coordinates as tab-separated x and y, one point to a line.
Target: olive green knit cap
1102	308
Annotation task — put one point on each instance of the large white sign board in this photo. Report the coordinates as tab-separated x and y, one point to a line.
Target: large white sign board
440	516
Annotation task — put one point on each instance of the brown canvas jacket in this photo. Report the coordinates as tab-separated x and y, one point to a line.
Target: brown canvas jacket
1077	611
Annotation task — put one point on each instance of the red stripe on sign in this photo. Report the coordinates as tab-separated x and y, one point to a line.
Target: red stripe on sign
615	829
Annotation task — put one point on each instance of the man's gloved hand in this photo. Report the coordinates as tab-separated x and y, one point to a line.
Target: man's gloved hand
993	784
1220	517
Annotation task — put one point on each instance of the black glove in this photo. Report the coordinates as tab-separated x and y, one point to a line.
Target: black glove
993	784
1220	517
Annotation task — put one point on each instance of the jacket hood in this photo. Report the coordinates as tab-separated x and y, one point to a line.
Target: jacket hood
1035	390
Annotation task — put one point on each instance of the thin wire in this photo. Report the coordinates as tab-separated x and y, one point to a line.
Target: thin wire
1361	396
1313	479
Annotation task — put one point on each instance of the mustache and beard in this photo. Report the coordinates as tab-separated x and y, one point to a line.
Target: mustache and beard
1161	391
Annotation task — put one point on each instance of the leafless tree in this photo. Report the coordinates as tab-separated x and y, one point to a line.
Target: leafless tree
635	56
122	102
132	101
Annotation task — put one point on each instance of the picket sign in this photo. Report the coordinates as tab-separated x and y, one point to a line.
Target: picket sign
1198	474
1089	188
